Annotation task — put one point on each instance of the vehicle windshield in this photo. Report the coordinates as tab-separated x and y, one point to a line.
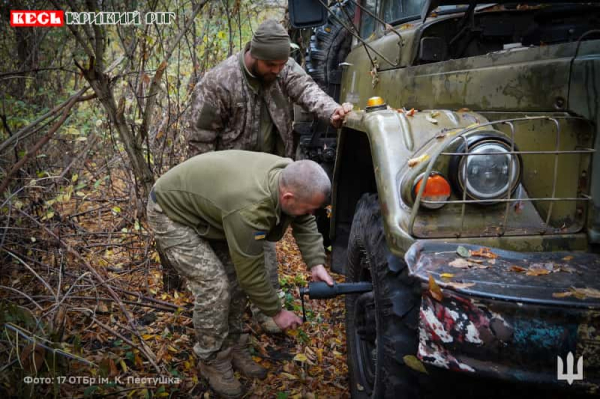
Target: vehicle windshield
393	11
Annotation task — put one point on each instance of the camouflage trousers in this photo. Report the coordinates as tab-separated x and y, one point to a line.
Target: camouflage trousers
219	302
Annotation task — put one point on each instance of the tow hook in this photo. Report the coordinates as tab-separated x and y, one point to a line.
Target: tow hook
320	290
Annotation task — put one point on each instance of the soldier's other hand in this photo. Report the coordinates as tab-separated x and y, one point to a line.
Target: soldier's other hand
319	273
337	118
287	320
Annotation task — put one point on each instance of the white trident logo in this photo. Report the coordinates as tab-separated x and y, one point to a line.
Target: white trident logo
570	375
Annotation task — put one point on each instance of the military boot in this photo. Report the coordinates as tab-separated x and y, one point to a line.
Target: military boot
243	362
219	374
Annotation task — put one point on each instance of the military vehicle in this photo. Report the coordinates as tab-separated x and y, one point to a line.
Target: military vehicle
466	187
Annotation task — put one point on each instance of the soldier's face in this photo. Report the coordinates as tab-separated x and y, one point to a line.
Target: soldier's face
267	71
295	207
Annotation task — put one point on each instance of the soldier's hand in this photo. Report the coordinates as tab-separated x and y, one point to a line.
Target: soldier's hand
337	118
319	273
287	320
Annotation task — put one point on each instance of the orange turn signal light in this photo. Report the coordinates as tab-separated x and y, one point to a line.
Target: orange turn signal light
375	101
437	188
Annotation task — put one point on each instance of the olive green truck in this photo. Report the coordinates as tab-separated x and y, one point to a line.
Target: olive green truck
466	188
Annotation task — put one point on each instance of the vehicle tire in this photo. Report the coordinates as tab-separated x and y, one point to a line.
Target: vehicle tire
328	47
381	326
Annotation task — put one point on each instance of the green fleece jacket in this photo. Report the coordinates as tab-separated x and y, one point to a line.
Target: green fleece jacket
234	195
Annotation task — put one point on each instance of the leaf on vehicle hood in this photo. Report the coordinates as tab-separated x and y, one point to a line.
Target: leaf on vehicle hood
579	293
459	286
464	110
434	288
414	363
460	263
464	252
567	258
567	269
431	119
446	275
484	253
411	112
518	269
415	161
537	272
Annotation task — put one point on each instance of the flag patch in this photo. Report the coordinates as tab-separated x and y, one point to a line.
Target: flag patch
260	235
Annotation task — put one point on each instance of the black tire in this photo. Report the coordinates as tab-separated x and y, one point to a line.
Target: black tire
381	326
328	47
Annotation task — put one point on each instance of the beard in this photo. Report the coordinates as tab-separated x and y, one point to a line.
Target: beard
266	78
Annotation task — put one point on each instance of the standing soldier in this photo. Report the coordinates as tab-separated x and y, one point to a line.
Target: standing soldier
245	103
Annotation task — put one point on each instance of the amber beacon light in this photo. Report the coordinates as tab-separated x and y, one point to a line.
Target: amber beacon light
375	104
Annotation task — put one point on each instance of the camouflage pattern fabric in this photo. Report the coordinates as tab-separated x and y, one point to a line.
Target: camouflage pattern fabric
225	108
219	302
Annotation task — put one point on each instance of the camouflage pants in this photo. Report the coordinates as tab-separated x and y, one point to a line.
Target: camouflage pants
206	265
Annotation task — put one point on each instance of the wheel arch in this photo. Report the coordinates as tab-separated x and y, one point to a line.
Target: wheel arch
353	176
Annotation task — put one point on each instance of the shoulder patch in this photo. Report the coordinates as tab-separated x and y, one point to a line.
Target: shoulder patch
260	235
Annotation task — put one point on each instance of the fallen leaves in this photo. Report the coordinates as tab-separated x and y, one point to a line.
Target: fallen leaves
431	117
462	263
414	363
464	252
415	161
434	288
484	253
458	286
542	269
579	293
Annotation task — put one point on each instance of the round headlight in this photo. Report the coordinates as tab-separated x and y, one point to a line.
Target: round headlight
492	176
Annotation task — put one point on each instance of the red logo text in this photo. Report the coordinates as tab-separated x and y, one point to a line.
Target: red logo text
37	18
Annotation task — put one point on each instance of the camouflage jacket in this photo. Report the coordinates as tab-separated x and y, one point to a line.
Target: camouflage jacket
225	108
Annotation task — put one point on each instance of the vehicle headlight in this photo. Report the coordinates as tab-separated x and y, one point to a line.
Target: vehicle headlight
487	177
436	188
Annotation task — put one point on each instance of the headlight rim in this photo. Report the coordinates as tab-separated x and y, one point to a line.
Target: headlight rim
473	141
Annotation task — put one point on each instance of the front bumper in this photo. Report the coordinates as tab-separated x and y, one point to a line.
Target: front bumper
500	322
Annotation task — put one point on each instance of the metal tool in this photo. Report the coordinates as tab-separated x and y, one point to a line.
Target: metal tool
320	290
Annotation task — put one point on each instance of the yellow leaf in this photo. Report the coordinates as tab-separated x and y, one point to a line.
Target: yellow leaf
289	376
537	272
300	357
562	294
414	363
435	289
415	161
146	337
123	365
446	275
459	285
568	258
